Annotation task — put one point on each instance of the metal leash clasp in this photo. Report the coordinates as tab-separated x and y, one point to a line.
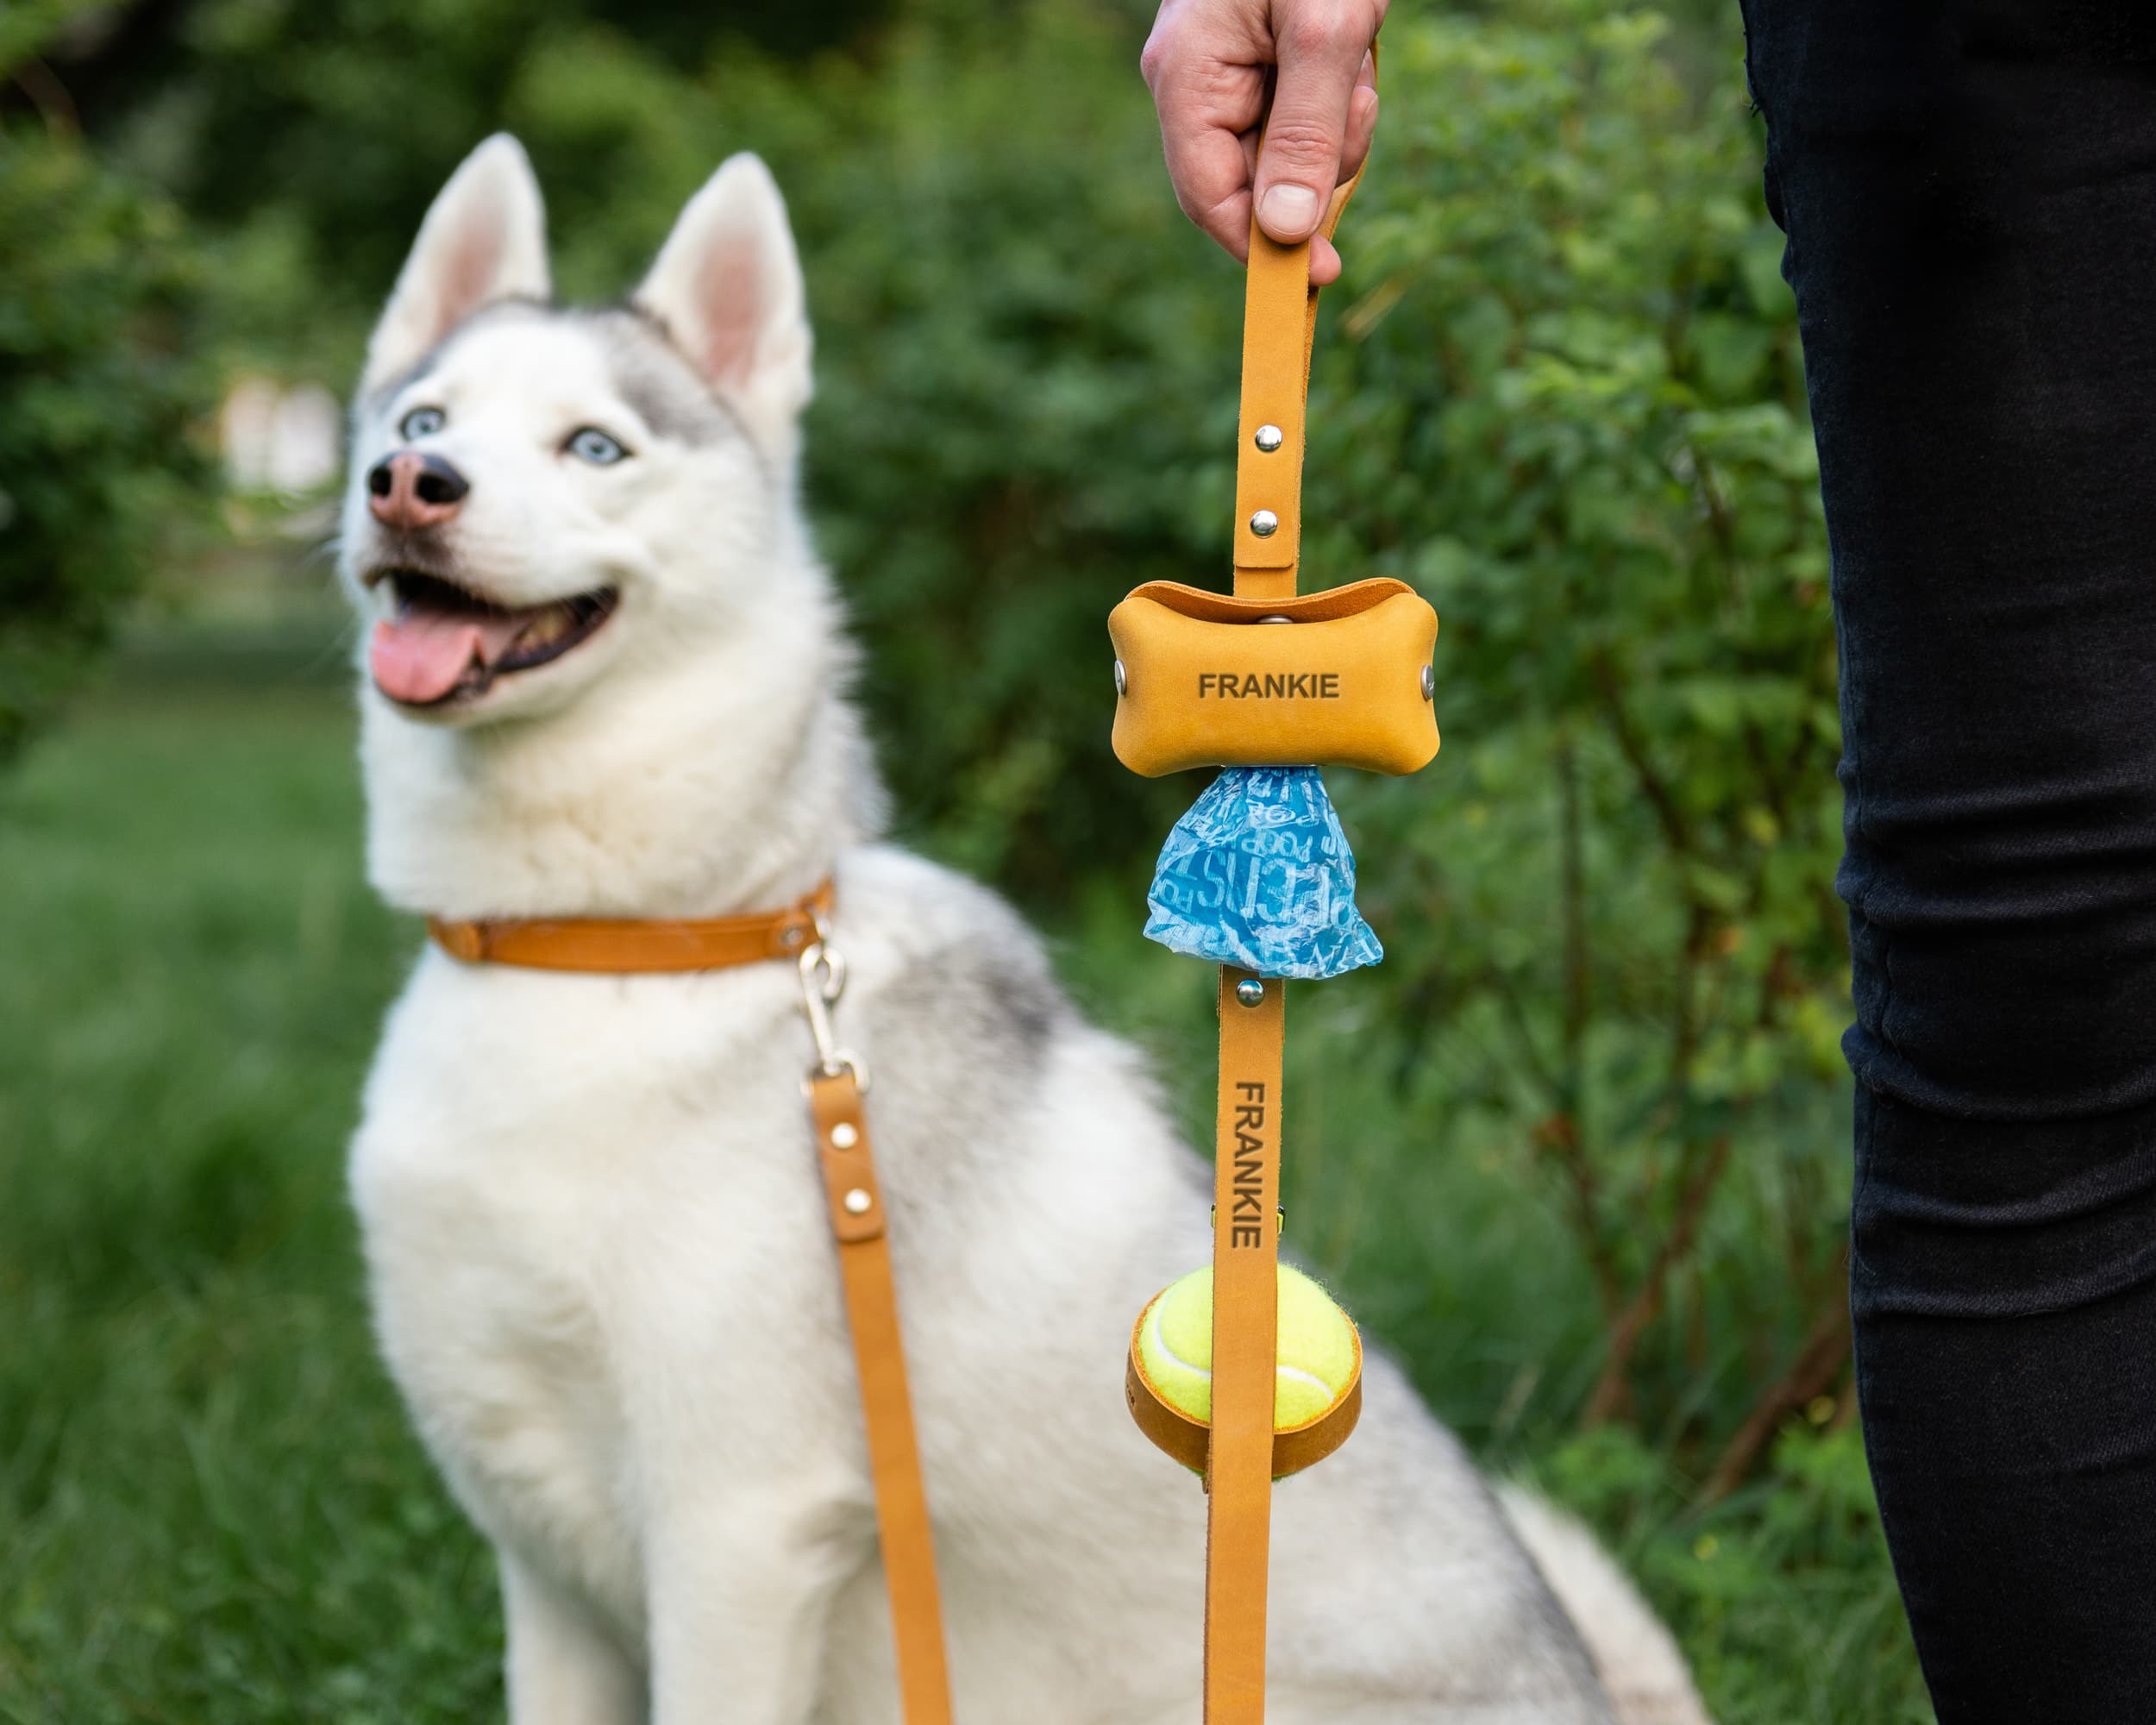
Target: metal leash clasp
822	981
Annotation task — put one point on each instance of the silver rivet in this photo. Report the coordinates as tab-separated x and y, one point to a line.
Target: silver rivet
792	937
1275	617
843	1137
1269	438
1249	991
1429	682
857	1202
1122	678
1264	523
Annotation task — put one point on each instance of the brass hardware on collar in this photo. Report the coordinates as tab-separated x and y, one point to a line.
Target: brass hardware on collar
822	981
465	940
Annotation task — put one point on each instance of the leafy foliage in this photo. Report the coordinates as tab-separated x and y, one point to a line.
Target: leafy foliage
368	103
99	298
1784	1590
1568	404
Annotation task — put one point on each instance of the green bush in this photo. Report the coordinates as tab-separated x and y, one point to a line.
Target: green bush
1564	398
104	394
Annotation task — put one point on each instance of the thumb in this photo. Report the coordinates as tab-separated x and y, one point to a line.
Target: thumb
1320	52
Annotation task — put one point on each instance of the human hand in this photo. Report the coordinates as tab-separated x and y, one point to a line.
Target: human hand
1206	62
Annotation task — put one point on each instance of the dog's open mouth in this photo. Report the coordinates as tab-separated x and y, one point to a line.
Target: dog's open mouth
443	644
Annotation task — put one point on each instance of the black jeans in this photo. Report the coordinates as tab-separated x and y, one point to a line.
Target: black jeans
1968	193
1968	196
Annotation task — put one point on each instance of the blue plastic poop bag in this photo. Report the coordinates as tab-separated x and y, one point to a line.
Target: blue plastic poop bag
1259	875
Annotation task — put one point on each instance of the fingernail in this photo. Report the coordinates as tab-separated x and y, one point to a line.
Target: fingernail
1288	210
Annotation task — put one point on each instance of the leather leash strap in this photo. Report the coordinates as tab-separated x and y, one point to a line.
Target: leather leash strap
853	1197
895	1458
1245	1314
1280	320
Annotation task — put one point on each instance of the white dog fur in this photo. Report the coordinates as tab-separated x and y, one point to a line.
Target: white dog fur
600	1265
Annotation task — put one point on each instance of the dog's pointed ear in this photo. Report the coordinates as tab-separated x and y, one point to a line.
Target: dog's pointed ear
727	287
485	239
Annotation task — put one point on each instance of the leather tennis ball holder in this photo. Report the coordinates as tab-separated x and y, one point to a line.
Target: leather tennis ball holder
1190	1441
1261	677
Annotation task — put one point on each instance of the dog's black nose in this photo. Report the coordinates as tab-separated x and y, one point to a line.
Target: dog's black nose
408	489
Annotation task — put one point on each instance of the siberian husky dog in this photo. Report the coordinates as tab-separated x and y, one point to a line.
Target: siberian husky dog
605	675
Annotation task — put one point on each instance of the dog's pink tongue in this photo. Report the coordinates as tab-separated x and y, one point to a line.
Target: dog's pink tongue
420	655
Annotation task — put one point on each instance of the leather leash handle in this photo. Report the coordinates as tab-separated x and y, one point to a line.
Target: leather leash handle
855	1202
1280	321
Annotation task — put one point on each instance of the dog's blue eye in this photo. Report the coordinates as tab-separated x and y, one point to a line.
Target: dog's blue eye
594	445
421	422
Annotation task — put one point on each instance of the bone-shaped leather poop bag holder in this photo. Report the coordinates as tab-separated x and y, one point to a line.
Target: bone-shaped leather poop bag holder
1340	678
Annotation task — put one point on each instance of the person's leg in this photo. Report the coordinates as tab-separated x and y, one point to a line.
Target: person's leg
1969	194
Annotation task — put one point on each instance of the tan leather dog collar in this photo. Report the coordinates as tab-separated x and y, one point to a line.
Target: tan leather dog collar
604	945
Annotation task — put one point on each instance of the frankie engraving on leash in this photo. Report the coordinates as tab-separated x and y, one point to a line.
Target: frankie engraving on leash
1249	1217
1268	685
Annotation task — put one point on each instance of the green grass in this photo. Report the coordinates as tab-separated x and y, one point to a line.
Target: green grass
210	1507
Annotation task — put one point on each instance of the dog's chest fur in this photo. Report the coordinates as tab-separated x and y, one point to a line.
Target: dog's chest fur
602	1268
577	1190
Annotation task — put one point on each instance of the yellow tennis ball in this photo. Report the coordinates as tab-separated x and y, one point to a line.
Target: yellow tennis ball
1317	1349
